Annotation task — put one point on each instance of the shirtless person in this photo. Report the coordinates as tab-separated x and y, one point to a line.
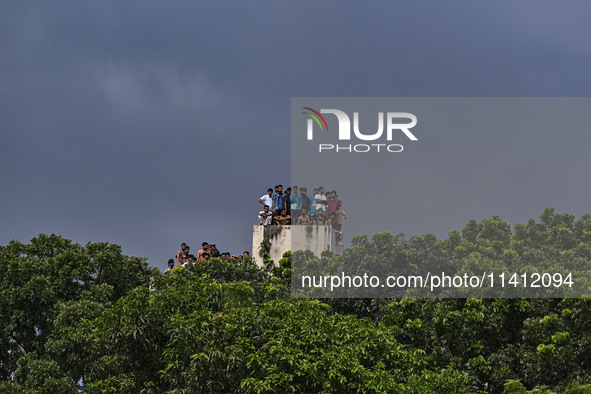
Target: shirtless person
182	253
304	218
202	250
283	218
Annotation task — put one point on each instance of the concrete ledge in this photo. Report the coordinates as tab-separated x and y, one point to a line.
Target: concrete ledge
316	238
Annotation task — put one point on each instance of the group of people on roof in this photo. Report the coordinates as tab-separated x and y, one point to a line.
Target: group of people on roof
296	207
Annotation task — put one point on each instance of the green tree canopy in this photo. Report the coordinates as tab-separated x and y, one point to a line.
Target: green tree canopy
88	318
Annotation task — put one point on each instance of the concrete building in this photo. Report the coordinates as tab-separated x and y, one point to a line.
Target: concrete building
316	238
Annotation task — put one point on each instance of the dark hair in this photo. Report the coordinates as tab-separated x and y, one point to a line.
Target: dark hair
288	189
303	189
170	261
269	190
204	243
183	244
320	187
294	186
246	251
279	185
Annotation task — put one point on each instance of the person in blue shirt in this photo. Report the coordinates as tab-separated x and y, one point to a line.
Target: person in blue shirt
278	200
313	201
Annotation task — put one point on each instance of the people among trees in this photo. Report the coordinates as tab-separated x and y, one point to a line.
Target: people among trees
206	252
292	207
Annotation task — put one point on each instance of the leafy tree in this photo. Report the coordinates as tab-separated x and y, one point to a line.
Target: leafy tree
50	282
87	318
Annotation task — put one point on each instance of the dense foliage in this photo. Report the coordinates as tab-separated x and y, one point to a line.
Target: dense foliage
87	318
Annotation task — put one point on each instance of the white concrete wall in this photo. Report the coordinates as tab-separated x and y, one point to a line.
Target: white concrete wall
297	237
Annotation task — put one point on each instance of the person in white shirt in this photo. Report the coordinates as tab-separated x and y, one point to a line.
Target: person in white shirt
320	199
265	216
267	199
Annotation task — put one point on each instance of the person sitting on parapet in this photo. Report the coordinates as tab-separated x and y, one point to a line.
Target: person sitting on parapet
305	202
267	199
283	218
265	216
304	217
320	217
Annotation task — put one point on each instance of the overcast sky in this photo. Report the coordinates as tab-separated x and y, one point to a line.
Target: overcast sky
148	124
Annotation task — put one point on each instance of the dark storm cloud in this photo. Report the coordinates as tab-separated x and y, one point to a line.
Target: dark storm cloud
148	124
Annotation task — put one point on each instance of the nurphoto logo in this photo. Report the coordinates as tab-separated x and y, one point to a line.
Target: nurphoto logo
393	126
